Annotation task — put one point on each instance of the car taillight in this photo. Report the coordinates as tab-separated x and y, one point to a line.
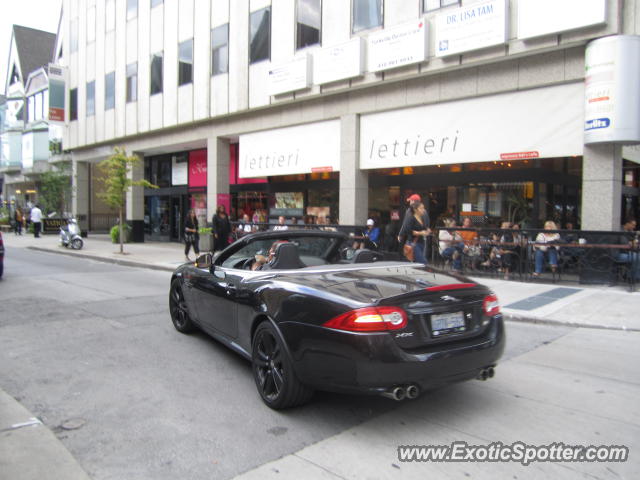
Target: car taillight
369	319
491	305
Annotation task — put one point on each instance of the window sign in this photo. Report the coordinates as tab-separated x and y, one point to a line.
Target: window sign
477	26
56	93
179	169
543	17
198	168
397	46
290	76
339	62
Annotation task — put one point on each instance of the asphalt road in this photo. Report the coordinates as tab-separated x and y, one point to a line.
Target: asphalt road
89	348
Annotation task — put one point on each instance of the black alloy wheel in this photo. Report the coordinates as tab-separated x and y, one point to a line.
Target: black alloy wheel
273	372
178	309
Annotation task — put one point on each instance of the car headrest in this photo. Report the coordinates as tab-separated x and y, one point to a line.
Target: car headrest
366	256
286	257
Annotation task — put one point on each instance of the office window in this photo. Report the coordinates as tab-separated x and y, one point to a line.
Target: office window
73	104
91	98
110	91
156	73
220	49
73	37
309	21
132	82
132	9
185	62
110	15
428	5
366	14
155	3
260	35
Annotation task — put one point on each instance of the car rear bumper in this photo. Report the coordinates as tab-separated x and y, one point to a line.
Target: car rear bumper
339	361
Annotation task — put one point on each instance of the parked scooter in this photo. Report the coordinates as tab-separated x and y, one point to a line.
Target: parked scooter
70	235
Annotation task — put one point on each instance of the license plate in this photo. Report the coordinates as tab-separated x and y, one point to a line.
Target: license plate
443	323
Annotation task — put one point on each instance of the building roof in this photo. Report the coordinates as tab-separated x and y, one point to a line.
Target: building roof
35	48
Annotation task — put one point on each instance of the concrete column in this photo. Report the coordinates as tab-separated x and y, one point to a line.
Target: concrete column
80	193
217	172
135	195
134	213
354	183
601	187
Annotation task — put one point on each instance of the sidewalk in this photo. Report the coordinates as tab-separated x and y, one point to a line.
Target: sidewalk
589	306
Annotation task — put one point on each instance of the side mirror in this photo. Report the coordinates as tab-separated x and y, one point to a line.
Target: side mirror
204	261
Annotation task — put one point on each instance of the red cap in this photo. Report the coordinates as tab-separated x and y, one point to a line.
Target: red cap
414	198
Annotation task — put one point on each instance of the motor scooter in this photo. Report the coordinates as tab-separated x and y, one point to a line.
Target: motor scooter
70	235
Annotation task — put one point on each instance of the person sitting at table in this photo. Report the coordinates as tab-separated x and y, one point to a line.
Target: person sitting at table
542	251
371	234
630	256
450	244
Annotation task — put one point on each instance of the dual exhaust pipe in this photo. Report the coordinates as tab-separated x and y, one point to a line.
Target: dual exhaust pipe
412	391
401	392
486	373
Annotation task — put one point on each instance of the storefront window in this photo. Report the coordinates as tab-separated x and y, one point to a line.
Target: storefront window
198	203
156	217
158	170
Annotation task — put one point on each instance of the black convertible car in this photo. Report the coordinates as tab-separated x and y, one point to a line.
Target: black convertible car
316	314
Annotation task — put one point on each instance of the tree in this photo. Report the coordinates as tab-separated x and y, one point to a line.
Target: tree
55	190
116	171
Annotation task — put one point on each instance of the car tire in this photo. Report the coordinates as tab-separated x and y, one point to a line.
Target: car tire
273	372
178	309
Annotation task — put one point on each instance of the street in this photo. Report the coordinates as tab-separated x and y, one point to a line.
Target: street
89	348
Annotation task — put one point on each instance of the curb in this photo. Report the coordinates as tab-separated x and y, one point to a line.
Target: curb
30	449
509	317
117	261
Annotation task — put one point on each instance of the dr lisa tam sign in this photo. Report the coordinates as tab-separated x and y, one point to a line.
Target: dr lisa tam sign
291	150
477	26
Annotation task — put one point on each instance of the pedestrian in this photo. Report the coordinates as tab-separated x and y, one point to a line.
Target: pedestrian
191	237
417	232
245	227
413	201
281	224
36	219
18	216
221	229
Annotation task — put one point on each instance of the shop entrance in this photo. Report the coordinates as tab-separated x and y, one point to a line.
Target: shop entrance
164	217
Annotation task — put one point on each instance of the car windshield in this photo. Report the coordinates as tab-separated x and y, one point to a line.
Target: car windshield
313	250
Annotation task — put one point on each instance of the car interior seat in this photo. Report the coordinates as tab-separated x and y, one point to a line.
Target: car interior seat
286	257
366	256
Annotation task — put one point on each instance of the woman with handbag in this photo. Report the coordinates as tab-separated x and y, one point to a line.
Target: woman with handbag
191	234
417	231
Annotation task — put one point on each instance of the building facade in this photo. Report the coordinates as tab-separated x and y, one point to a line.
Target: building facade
343	109
31	144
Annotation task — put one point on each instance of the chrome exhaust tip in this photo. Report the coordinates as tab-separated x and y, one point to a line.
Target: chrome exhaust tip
396	393
413	391
490	372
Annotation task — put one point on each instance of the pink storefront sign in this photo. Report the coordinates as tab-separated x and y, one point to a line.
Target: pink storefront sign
198	168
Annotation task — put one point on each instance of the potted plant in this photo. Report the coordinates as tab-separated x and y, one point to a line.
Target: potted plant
206	239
